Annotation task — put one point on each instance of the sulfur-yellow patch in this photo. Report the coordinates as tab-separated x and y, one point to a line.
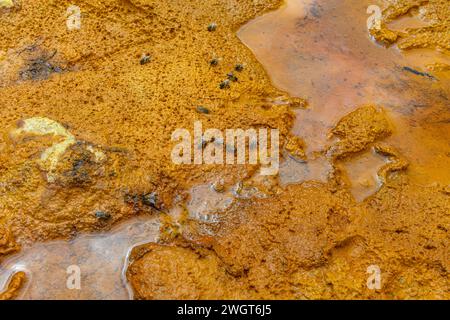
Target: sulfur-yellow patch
6	4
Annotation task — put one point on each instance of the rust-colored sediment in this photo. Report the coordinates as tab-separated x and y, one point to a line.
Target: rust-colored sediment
107	120
103	121
310	242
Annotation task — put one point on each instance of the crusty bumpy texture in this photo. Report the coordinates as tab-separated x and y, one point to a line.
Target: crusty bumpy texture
313	241
359	129
310	242
86	123
85	129
435	35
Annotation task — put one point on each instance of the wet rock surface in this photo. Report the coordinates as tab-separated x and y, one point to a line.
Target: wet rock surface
359	129
314	241
308	243
86	122
103	119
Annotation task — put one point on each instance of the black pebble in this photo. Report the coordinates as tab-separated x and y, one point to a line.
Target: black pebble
102	215
212	27
202	109
150	199
145	59
239	67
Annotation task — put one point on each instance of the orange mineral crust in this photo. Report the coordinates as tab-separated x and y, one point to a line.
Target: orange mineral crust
87	117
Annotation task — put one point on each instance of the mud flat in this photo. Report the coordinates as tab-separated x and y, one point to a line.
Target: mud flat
87	118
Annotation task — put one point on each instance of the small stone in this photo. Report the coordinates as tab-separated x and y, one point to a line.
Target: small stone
145	59
150	199
218	186
212	27
232	77
239	67
214	62
201	109
102	215
224	84
296	147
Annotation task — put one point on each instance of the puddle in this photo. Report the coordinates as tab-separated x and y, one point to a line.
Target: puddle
101	259
407	21
293	171
321	50
362	172
206	203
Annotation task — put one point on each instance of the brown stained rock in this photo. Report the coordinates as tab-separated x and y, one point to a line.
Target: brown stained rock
45	201
357	130
295	146
256	250
383	35
396	161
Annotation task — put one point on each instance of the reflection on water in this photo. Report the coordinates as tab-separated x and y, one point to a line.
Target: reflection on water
321	50
101	259
408	21
206	203
362	172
